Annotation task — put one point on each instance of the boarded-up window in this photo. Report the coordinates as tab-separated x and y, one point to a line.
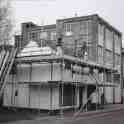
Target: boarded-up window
100	35
109	39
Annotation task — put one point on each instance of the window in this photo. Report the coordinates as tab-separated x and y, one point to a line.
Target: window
43	35
108	77
100	35
53	36
28	35
100	54
116	78
117	41
68	27
32	36
84	27
109	39
117	59
109	57
72	28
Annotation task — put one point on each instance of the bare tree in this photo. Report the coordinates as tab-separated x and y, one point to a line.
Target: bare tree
5	22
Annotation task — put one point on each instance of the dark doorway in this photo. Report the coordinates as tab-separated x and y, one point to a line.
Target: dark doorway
90	90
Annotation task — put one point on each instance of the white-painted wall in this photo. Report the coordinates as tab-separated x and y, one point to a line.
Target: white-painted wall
21	100
56	76
55	98
7	101
117	94
37	97
41	72
109	94
23	73
38	72
23	93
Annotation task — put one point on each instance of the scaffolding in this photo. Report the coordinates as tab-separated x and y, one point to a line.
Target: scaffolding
61	60
7	59
72	60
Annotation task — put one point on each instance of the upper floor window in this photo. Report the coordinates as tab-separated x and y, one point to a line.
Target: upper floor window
101	34
109	57
100	51
100	54
32	35
109	39
117	44
117	59
68	27
108	77
84	27
53	36
43	35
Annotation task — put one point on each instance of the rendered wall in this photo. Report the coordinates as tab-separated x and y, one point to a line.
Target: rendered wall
39	97
7	95
25	96
41	72
109	94
55	98
16	95
38	72
117	91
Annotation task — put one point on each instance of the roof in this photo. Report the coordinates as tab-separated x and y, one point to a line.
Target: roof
91	17
45	27
32	48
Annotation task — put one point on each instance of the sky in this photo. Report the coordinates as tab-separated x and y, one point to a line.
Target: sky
47	11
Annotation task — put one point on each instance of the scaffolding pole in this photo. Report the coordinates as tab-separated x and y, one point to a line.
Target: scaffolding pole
76	93
51	91
62	90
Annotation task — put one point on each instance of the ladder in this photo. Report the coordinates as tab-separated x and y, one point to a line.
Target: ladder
89	98
5	67
84	105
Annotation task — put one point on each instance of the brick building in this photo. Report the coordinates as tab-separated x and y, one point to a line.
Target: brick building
52	81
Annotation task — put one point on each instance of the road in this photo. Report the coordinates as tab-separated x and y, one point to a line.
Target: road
116	117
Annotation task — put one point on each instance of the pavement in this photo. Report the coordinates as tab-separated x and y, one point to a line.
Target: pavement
110	113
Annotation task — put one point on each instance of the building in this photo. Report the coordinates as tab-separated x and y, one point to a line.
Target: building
54	76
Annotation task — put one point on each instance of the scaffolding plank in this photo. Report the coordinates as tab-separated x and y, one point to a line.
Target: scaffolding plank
52	58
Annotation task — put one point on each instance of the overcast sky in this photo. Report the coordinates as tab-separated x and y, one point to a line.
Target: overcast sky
47	11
